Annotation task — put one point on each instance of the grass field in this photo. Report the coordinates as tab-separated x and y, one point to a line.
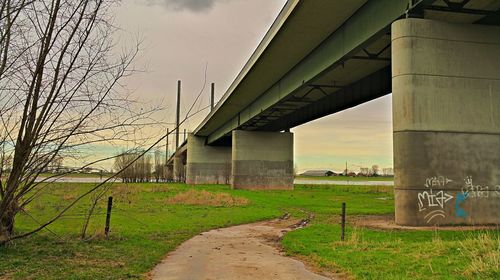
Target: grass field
378	254
146	224
345	178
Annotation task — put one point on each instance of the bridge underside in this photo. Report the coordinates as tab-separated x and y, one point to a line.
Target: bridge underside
443	69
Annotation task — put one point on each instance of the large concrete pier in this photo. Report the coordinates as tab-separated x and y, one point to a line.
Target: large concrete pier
254	160
207	164
179	167
262	160
446	114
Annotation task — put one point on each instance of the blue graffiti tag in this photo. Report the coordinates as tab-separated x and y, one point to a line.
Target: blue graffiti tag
461	197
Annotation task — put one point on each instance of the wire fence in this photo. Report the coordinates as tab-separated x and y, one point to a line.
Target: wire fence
93	215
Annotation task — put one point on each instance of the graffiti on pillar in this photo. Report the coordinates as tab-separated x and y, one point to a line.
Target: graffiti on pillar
434	199
437	182
475	191
459	211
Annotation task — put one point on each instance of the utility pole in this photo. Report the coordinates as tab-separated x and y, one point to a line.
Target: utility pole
212	97
166	148
178	117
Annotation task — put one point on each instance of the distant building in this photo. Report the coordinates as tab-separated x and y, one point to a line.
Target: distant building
351	174
319	173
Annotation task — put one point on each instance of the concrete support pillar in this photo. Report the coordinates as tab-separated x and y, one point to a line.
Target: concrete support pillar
170	172
179	167
207	164
446	115
262	160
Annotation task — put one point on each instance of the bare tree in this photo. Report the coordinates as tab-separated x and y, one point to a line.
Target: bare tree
136	166
388	171
5	164
121	162
60	90
94	200
55	165
159	168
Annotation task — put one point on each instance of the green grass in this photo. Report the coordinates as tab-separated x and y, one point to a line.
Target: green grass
345	178
377	254
144	228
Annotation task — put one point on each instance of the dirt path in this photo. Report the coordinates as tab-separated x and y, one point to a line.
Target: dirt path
239	252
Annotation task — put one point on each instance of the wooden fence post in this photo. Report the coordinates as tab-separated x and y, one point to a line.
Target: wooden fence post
343	222
108	216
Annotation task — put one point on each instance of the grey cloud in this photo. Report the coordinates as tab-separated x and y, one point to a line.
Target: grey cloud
190	5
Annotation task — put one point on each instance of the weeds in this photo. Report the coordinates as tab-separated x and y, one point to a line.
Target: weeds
482	253
206	198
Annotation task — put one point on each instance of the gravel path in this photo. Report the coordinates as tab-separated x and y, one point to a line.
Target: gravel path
240	252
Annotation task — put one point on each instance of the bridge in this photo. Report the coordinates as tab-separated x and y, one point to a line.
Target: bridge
439	58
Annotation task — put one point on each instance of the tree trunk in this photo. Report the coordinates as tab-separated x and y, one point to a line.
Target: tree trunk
7	223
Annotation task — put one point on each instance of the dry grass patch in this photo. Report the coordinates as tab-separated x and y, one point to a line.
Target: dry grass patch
193	197
6	276
82	260
125	189
354	239
69	197
158	189
125	193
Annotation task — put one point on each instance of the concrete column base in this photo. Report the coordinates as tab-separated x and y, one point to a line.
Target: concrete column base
170	172
207	164
262	160
179	168
446	117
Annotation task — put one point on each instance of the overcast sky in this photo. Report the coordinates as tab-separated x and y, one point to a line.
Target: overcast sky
183	37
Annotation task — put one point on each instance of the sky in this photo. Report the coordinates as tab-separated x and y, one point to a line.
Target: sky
184	39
